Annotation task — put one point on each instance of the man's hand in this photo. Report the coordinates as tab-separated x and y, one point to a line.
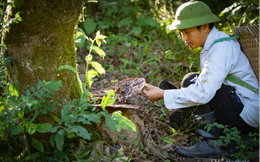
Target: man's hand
152	93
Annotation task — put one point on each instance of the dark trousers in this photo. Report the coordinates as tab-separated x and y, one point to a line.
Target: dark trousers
225	104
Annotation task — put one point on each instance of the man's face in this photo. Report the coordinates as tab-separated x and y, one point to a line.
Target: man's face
194	37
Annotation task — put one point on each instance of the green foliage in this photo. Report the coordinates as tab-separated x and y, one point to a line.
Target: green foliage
235	13
231	133
137	35
116	121
139	41
80	38
108	100
23	109
38	145
4	24
19	111
81	111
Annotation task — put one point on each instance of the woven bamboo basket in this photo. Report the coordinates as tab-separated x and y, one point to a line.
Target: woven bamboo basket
249	42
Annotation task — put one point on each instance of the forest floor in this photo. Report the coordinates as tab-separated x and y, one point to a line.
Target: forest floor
156	123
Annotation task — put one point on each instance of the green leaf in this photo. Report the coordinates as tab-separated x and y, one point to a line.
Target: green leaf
84	105
70	135
137	30
61	132
83	96
3	46
55	118
169	140
65	109
99	37
81	131
32	89
98	67
108	100
31	127
38	145
67	118
112	123
83	120
173	131
152	22
59	141
80	38
94	117
165	153
97	34
47	96
89	76
44	128
39	85
41	92
13	88
17	130
98	42
88	58
123	121
68	67
51	139
37	112
141	21
89	25
28	92
37	94
54	129
11	4
80	32
33	156
124	22
99	51
124	60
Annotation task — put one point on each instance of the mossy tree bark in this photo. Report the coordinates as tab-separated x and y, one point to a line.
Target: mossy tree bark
43	42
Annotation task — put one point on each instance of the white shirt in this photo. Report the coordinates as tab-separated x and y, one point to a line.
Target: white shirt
216	63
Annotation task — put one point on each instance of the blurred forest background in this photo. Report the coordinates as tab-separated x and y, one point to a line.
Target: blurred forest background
135	44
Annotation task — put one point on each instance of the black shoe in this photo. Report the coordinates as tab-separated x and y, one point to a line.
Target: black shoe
166	85
203	148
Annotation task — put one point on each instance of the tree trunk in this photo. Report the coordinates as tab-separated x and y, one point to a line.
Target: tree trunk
40	44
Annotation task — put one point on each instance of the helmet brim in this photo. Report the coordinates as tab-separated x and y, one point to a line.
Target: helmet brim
189	23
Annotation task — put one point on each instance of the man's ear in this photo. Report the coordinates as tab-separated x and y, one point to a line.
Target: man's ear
205	28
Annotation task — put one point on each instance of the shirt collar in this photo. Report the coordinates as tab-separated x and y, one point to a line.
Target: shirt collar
213	35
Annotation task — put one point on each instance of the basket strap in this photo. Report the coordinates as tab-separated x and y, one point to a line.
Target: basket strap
224	39
241	83
231	77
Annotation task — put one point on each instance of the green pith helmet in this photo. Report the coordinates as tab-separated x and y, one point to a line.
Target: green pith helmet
192	14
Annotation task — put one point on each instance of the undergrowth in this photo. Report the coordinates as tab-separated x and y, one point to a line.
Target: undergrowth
139	45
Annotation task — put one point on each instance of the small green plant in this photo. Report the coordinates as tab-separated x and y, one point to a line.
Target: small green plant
18	112
82	111
232	133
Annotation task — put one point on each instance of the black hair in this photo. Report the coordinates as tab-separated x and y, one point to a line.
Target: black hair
211	25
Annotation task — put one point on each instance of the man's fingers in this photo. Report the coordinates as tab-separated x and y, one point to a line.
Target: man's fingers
147	88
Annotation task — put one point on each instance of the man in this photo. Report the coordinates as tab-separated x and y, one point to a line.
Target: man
215	97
